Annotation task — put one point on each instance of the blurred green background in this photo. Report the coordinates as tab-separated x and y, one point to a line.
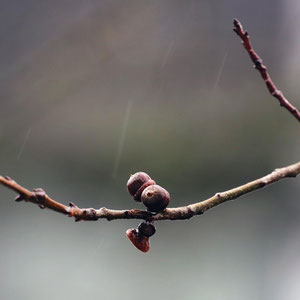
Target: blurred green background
94	90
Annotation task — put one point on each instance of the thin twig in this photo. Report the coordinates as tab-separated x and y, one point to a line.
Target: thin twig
258	64
39	197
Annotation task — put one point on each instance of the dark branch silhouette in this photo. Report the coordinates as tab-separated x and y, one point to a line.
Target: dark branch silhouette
258	64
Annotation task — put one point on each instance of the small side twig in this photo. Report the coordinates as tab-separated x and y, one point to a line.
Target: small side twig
258	64
39	197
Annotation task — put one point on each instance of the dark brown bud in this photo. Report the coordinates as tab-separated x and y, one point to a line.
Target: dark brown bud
147	229
137	183
140	241
155	198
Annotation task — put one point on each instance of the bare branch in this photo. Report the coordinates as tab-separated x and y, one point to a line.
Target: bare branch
39	197
139	237
258	64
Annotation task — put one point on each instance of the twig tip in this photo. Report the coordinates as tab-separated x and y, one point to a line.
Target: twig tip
19	198
235	21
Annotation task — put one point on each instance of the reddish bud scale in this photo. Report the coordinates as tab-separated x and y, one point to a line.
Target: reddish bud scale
140	241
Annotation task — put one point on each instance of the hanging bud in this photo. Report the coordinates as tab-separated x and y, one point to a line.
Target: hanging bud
140	241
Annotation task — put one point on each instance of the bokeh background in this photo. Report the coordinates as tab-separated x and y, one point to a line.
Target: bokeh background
94	90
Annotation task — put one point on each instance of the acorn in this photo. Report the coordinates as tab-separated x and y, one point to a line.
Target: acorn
155	198
137	183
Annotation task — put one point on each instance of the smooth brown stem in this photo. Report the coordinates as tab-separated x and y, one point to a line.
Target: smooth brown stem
39	197
258	64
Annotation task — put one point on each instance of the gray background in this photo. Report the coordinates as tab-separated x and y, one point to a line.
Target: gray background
94	90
